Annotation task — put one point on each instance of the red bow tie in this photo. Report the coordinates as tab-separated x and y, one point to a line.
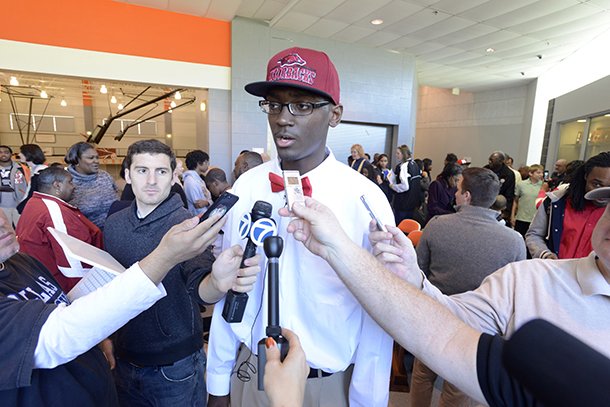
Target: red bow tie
277	184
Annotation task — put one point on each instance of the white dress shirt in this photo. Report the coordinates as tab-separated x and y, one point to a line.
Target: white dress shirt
333	328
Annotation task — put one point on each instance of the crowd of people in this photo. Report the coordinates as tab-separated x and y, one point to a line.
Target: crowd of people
347	289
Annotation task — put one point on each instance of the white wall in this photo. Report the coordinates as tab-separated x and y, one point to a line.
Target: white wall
590	63
472	124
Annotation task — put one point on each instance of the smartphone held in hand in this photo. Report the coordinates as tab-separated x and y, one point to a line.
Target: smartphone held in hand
221	205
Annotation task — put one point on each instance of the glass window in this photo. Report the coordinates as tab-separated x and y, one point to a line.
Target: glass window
599	136
571	135
373	138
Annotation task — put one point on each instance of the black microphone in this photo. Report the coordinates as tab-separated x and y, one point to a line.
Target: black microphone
557	368
260	227
273	246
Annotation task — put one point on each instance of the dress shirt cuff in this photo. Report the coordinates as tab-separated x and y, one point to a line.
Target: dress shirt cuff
72	330
218	384
416	278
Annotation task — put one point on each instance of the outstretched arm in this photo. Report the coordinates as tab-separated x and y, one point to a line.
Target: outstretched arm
416	321
70	331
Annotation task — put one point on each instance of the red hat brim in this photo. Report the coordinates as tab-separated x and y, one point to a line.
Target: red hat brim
262	88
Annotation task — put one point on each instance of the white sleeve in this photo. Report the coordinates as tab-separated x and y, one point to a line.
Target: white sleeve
402	183
222	353
372	366
72	330
373	358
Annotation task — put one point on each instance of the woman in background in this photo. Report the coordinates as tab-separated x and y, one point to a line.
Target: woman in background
441	194
405	181
383	173
95	190
358	158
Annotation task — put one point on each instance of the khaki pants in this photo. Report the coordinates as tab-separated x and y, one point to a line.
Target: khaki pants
330	391
422	385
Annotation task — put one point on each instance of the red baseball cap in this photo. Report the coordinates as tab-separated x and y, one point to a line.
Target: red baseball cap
300	68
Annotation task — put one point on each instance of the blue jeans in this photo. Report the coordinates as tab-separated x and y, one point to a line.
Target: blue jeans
177	385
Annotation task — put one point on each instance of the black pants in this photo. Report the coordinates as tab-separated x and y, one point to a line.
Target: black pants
522	227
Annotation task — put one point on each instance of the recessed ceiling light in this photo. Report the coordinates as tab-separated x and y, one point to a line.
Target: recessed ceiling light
103	89
490	50
63	103
173	104
14	81
377	21
113	99
177	95
43	94
120	106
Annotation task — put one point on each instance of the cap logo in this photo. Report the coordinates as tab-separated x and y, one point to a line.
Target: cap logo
292	67
292	60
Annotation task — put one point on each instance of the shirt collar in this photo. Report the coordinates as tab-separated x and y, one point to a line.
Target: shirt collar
330	157
590	279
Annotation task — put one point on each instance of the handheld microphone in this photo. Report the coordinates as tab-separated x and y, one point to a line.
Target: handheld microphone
273	246
257	227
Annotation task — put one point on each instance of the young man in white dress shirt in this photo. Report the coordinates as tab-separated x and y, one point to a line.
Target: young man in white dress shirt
301	98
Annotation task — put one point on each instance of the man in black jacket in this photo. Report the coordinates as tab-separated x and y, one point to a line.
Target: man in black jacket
160	358
507	181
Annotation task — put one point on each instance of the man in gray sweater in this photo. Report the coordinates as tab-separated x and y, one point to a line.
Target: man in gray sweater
456	252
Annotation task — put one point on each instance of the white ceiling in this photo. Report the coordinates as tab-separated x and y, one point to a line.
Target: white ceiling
449	38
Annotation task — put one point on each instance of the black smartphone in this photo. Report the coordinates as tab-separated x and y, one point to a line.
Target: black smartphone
221	205
546	175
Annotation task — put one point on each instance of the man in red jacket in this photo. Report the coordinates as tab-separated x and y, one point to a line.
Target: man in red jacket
49	207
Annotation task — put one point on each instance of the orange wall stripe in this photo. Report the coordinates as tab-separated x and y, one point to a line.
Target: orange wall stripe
120	28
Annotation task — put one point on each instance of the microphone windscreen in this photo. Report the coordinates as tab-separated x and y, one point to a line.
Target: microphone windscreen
261	209
557	368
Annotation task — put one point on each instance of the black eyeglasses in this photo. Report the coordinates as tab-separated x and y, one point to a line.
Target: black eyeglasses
295	108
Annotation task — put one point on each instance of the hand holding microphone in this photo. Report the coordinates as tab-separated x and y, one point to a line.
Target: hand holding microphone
256	227
226	274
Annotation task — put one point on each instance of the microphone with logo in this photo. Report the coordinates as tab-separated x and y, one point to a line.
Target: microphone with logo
256	226
273	246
